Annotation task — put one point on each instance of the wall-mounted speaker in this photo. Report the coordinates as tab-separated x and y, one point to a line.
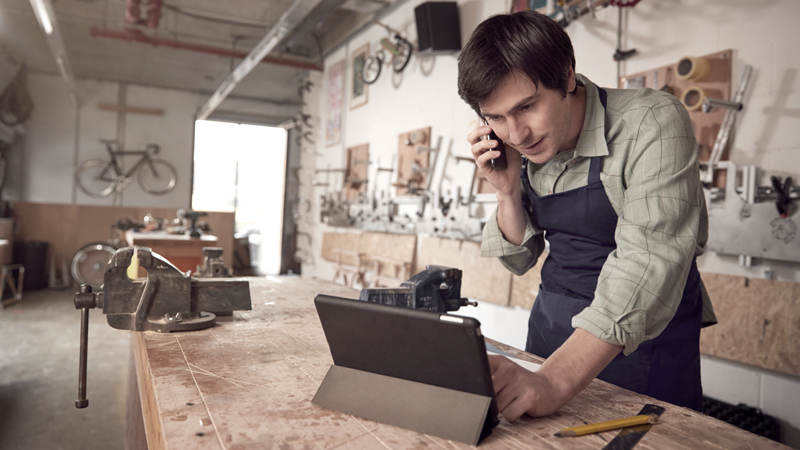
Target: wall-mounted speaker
438	27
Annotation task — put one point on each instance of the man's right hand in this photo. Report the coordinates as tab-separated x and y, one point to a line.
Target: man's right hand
511	216
505	181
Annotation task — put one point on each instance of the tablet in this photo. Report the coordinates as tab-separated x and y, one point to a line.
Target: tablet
426	347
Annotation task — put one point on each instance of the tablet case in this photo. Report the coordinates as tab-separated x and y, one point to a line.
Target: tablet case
419	370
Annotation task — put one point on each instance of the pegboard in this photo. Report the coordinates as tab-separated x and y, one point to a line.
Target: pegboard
355	176
716	84
412	166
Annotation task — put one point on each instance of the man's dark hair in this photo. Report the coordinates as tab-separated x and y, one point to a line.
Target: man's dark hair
527	41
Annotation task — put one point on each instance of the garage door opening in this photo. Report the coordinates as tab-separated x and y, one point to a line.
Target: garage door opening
241	168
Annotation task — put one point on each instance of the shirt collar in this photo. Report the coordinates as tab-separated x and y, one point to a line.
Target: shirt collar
592	141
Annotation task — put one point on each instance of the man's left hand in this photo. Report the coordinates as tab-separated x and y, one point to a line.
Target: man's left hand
565	373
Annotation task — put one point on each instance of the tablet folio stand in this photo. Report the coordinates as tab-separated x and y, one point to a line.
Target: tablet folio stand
446	413
353	385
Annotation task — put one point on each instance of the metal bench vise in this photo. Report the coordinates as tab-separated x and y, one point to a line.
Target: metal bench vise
167	300
437	288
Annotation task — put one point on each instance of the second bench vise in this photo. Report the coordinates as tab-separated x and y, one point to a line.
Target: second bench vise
437	288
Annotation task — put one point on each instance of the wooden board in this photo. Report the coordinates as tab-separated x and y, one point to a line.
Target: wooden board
355	178
524	289
248	383
759	322
408	157
342	241
716	84
484	279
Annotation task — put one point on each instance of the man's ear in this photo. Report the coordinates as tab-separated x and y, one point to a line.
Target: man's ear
572	83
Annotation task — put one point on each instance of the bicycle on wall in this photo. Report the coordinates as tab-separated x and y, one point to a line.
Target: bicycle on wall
399	48
99	178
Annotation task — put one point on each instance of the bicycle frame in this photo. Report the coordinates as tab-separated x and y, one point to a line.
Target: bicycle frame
118	153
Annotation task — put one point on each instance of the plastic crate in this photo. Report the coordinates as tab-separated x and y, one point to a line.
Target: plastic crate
744	417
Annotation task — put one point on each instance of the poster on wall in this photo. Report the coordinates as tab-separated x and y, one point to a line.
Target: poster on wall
358	89
333	123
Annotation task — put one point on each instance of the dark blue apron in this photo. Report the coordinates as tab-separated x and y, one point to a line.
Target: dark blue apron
580	225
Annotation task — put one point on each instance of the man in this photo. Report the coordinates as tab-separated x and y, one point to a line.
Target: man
610	178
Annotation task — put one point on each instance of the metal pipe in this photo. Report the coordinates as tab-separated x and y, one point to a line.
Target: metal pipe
134	35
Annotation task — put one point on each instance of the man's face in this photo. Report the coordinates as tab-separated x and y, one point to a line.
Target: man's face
533	121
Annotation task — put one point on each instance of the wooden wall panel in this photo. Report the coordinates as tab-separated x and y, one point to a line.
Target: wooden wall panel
339	240
717	84
355	178
759	322
408	157
483	278
400	247
67	227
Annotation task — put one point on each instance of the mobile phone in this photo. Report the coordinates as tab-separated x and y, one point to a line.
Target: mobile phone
498	163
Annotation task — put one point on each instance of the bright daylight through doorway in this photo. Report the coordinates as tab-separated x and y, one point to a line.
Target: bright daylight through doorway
241	169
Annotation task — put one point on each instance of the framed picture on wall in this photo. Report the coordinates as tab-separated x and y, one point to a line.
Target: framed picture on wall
335	100
358	89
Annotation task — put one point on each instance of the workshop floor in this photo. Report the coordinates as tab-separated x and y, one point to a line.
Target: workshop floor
39	342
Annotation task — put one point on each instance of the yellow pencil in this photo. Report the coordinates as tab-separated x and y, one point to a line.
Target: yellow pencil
609	425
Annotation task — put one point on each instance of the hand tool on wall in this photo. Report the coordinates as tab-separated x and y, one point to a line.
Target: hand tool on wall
167	300
784	191
437	288
707	175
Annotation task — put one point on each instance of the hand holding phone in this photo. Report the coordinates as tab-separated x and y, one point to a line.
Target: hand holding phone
500	162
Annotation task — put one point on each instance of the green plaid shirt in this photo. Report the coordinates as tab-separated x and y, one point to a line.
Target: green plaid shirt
651	177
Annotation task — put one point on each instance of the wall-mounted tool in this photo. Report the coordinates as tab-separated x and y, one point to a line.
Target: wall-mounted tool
744	208
436	288
707	172
167	300
784	192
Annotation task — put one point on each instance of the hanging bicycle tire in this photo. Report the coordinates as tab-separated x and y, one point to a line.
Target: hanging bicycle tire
89	264
372	68
96	178
403	55
157	177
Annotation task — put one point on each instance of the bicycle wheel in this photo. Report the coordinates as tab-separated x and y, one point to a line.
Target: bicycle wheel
372	68
157	177
96	178
89	264
400	61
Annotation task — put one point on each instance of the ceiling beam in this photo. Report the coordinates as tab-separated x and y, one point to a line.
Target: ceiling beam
43	9
288	21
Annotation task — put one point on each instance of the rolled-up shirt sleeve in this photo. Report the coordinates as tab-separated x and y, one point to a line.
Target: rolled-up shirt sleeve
641	283
517	259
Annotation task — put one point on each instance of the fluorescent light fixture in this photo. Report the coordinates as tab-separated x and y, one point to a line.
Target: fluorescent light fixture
43	14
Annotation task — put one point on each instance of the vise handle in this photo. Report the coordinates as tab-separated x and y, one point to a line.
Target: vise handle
85	300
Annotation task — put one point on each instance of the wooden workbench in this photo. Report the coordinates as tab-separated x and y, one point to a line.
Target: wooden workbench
181	250
247	383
